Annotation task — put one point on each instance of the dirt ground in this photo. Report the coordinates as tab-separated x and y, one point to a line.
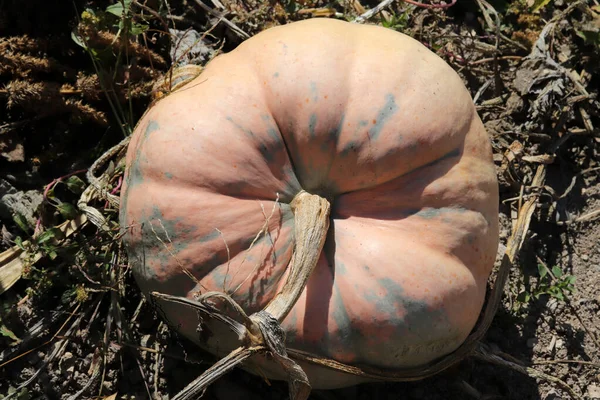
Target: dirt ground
76	75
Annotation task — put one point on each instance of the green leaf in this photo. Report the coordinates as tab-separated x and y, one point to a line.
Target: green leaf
557	271
67	210
559	295
21	222
542	270
570	279
4	331
19	242
119	8
539	4
78	39
589	36
137	29
49	234
75	184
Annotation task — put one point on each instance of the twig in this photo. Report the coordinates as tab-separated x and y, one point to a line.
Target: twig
484	353
228	259
33	333
59	348
197	387
237	30
153	13
490	59
385	3
430	6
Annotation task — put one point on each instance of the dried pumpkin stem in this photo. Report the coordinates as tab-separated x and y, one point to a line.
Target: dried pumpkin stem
311	216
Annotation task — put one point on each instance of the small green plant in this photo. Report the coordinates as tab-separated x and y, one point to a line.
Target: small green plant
397	22
552	282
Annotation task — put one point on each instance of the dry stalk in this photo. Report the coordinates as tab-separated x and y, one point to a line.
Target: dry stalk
484	353
105	39
22	65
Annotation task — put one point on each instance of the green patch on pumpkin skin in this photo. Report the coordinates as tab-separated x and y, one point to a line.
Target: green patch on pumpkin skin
430	213
268	152
419	321
168	175
260	284
134	176
209	237
312	124
273	131
276	75
314	92
347	336
248	132
161	240
383	116
430	326
388	110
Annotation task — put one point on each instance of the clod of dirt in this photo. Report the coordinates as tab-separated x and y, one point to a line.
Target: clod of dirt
13	201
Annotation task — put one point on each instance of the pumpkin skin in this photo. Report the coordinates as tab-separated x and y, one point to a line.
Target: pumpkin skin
362	115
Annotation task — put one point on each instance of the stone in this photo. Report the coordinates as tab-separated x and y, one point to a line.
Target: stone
13	201
189	48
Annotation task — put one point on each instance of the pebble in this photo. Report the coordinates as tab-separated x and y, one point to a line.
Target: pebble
552	304
593	391
67	363
552	344
552	395
585	257
145	341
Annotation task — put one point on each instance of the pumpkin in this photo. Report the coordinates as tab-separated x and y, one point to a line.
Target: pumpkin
380	138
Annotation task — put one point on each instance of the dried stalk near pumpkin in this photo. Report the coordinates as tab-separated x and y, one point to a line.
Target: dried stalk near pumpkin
102	39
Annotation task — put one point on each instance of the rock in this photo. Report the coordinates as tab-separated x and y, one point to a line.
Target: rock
552	304
514	104
189	48
13	201
146	341
551	345
12	152
585	257
593	391
67	363
552	395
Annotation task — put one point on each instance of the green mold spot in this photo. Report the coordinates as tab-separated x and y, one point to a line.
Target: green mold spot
314	92
312	124
134	175
383	116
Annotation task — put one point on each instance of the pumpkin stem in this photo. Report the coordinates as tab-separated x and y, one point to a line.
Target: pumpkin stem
311	216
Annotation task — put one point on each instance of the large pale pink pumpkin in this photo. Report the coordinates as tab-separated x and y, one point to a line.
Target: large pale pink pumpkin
361	115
